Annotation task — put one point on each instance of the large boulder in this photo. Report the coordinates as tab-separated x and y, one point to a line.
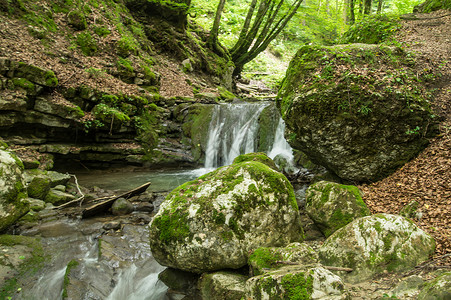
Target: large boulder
215	221
12	189
331	205
296	282
437	289
359	110
375	244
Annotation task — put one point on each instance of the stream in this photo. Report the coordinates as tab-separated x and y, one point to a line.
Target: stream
108	257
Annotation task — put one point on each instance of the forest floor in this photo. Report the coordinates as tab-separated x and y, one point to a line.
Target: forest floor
427	178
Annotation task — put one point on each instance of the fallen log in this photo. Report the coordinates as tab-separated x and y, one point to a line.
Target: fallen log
106	205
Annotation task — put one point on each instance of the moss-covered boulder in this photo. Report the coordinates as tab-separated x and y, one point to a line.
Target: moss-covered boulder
121	207
359	110
296	282
437	289
57	197
331	205
39	187
15	69
223	285
258	156
215	221
374	244
265	259
432	5
12	189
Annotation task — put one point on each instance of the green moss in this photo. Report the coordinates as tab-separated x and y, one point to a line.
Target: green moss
101	31
172	227
432	5
264	258
24	84
87	43
77	20
297	286
71	265
28	266
126	46
258	156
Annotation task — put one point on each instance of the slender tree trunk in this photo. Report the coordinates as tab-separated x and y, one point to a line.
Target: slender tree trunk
379	6
351	12
367	8
214	32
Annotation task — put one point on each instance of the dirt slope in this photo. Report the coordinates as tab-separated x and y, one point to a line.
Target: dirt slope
427	178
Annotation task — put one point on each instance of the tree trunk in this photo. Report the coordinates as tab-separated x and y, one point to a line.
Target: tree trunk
367	8
379	6
351	12
214	32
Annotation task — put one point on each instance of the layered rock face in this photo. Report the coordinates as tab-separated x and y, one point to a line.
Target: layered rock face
215	221
12	190
358	110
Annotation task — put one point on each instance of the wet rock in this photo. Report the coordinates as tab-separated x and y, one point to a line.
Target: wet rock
331	205
213	222
222	286
112	225
39	187
141	218
283	163
145	207
263	259
35	204
12	189
377	243
296	282
179	280
121	207
57	197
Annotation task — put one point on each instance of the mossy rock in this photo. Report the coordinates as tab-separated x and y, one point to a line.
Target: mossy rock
12	189
437	289
376	244
266	259
213	222
121	207
267	125
57	197
39	187
34	74
296	282
365	126
432	5
223	285
331	205
258	156
77	19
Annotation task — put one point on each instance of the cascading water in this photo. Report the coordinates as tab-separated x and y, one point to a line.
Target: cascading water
233	131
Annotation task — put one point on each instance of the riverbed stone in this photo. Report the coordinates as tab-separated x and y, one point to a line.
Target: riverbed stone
223	285
57	197
121	207
216	220
297	282
12	189
266	259
376	244
365	125
331	205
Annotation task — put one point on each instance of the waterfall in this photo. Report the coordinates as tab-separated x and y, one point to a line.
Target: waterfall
281	146
233	131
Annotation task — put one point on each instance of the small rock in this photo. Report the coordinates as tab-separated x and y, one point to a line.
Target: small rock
114	225
57	197
60	187
121	207
145	207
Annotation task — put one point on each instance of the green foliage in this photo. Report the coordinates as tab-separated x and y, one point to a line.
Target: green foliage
101	31
433	5
264	258
298	286
87	43
77	19
373	29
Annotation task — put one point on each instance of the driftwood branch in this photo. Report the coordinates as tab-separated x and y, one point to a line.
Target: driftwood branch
427	264
325	267
79	199
105	205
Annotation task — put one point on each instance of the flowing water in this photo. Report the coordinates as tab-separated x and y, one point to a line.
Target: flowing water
124	268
